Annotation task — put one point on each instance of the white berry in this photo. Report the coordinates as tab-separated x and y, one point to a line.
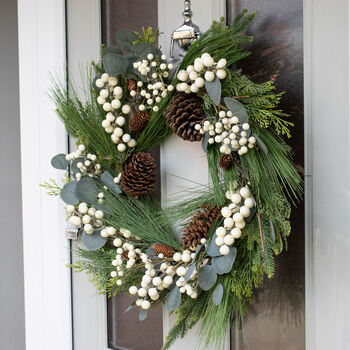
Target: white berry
224	250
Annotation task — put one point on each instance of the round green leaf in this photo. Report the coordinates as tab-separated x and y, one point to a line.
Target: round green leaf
223	264
237	109
86	190
59	161
173	300
190	271
68	193
205	140
108	180
94	86
212	248
112	49
207	277
261	144
127	36
73	167
214	90
218	294
94	241
142	315
114	64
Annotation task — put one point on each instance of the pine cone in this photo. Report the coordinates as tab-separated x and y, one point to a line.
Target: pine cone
131	84
138	121
139	175
183	113
163	249
225	162
199	226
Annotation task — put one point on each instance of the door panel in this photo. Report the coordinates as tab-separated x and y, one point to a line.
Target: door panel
276	319
131	15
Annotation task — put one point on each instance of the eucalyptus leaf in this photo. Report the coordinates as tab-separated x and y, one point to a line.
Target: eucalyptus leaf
114	64
142	315
251	215
123	45
214	90
143	49
59	161
173	300
108	180
150	251
261	144
237	109
87	190
127	36
218	294
205	140
111	49
207	277
130	307
212	248
94	241
273	234
74	165
190	271
68	193
94	86
223	264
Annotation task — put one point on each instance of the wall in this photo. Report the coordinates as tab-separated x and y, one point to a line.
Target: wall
12	335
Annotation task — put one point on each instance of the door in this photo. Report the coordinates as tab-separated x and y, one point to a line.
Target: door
99	324
276	319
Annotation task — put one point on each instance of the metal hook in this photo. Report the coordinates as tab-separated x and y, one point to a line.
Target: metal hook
187	33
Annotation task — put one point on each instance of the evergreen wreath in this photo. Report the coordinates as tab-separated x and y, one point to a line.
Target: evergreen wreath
228	232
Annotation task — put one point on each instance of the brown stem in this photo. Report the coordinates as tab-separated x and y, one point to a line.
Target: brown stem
261	233
246	96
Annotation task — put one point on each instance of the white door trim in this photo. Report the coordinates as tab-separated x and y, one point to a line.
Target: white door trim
327	166
41	40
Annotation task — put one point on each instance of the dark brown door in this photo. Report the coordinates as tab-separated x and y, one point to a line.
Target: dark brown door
276	320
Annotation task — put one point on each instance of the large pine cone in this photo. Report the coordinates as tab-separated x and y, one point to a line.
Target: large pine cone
163	249
183	113
199	226
131	84
138	121
139	175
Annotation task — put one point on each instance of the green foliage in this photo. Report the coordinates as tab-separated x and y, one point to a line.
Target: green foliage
148	36
52	188
259	101
143	217
221	41
82	117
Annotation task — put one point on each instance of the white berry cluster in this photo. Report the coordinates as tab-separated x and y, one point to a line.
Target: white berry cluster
87	165
204	68
159	273
153	89
110	98
86	217
229	132
234	214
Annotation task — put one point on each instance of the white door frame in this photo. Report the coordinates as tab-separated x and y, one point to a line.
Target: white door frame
42	49
41	41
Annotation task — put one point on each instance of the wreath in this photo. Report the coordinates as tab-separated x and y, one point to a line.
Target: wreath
204	253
